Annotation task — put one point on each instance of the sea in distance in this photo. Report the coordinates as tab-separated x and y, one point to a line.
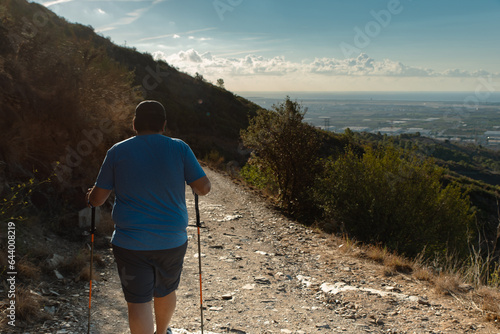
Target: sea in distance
457	116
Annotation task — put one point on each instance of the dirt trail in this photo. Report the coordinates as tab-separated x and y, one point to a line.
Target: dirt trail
263	273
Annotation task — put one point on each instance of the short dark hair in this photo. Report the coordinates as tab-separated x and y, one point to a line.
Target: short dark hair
150	115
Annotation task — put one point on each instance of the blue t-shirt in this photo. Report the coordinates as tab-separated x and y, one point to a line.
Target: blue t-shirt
149	175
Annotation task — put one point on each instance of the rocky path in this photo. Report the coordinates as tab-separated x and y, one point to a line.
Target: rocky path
265	274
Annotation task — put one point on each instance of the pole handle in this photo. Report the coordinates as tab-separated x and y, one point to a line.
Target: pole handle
92	224
197	209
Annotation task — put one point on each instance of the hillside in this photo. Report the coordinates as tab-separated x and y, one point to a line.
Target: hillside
67	94
265	273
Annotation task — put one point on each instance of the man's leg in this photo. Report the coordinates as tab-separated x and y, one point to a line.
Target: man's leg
140	318
164	309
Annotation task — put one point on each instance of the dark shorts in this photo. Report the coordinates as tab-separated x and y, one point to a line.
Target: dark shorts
148	274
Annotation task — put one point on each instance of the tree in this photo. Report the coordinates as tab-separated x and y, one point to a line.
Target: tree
199	77
285	149
220	83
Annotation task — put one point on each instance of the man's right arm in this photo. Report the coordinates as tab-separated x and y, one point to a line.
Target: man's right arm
202	186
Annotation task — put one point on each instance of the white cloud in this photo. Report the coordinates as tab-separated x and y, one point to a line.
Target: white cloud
170	35
55	2
128	18
176	36
99	11
192	61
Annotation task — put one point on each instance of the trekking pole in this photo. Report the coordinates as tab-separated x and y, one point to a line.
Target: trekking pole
92	231
198	225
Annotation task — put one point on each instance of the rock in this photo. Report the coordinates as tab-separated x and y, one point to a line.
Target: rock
50	309
304	280
227	296
230	218
392	289
279	275
262	280
336	288
248	287
55	261
422	301
54	293
58	274
215	308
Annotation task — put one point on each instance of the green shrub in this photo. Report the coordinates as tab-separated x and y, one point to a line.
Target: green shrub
252	174
398	200
285	149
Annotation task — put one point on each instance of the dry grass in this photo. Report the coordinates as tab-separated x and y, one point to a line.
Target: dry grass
376	253
490	300
348	246
423	274
447	284
398	263
84	274
75	264
393	262
28	270
28	305
78	265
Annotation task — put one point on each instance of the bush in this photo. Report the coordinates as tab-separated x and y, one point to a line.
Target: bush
398	200
285	150
252	174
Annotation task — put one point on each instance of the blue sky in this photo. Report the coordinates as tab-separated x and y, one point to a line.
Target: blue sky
291	45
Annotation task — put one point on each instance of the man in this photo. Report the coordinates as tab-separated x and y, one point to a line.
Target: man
148	173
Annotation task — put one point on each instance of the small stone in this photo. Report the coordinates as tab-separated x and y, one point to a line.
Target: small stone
54	293
58	274
50	309
422	301
229	218
55	260
215	308
249	287
262	280
279	275
227	296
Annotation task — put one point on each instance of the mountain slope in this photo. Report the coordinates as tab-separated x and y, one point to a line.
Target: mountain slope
67	94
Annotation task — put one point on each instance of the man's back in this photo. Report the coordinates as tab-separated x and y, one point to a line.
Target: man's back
149	173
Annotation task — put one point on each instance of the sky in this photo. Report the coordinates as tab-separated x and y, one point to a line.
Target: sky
317	45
